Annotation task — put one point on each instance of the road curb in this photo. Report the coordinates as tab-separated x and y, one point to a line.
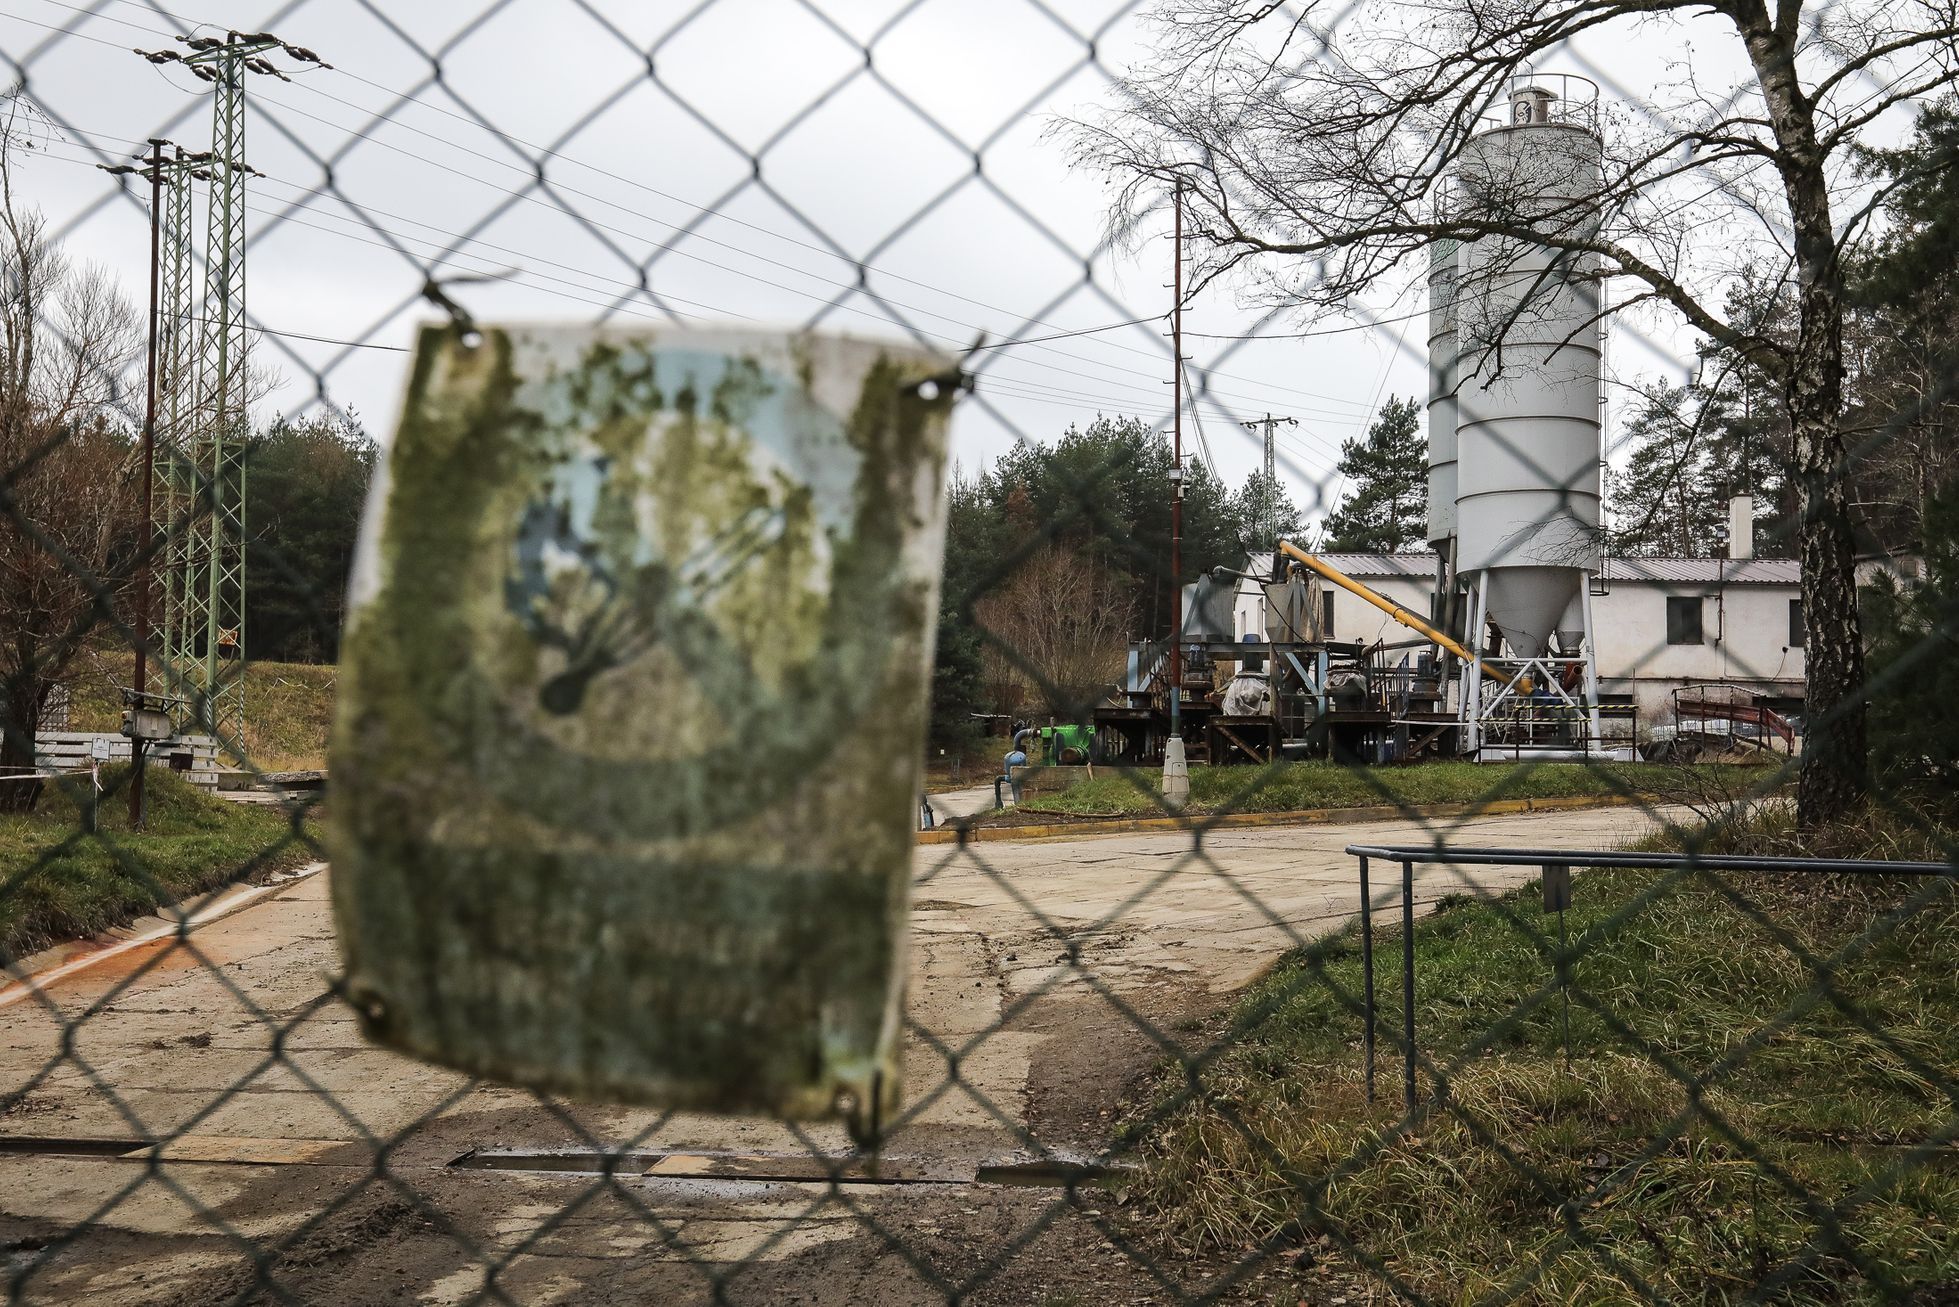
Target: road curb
1204	822
36	971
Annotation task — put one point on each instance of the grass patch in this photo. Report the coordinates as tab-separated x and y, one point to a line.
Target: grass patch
288	708
1293	786
1830	1101
57	882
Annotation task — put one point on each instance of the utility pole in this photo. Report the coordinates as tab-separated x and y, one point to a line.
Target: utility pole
205	628
1268	505
159	172
1176	772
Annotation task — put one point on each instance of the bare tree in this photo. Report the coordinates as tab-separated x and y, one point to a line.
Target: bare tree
67	465
1321	145
1066	618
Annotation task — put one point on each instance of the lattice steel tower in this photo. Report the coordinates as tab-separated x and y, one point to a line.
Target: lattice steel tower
174	506
202	414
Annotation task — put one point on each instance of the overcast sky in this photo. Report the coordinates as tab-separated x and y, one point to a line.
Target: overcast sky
366	188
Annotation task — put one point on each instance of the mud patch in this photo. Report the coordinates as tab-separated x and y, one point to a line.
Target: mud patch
370	1219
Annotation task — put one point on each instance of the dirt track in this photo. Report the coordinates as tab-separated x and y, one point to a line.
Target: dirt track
289	1133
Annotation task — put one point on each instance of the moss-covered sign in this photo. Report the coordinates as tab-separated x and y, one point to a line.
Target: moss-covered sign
631	714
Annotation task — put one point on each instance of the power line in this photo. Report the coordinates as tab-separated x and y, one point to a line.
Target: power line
1315	334
696	207
120	22
766	231
324	340
1024	387
289	215
1387	366
883	301
999	385
1197	421
517	277
441	259
1064	335
64	32
445	255
597	276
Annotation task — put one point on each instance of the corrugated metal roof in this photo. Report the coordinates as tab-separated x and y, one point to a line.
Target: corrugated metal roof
1667	571
1420	566
1706	571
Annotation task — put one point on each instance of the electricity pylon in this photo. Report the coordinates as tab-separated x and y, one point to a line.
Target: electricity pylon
204	628
1268	506
174	504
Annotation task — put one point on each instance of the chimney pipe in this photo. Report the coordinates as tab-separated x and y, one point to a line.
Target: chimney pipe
1741	526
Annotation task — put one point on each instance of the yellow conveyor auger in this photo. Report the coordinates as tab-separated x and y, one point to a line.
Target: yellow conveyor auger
1388	606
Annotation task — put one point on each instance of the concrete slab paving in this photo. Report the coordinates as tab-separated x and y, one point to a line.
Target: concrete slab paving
1025	958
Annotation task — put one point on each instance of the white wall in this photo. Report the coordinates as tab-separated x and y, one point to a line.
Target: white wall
1356	619
1745	632
1745	635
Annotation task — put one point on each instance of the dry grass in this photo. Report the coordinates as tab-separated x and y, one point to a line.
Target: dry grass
1602	1179
288	708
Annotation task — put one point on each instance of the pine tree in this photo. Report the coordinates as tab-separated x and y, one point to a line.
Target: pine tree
1662	504
1265	514
1387	511
1905	334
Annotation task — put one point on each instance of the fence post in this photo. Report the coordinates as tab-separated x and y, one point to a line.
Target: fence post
1557	897
1367	973
1408	982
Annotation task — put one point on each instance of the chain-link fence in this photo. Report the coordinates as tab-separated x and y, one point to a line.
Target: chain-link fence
1141	1033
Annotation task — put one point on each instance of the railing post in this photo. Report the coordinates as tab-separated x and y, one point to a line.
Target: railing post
1408	982
1555	877
1367	973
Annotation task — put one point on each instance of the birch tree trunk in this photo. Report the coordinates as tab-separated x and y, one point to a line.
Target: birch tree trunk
1833	778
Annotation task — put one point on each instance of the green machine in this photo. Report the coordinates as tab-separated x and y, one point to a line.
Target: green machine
1068	746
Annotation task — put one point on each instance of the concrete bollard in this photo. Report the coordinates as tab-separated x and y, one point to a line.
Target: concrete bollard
1176	774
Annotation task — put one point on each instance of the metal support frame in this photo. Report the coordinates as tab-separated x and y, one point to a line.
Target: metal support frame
1315	684
1367	973
1545	860
1472	692
1482	697
1591	652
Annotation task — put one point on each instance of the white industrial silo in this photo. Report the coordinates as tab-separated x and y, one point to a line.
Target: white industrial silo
1525	354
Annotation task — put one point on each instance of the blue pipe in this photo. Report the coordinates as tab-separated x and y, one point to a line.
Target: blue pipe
1006	776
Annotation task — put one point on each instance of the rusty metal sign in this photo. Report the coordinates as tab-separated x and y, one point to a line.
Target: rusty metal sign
632	710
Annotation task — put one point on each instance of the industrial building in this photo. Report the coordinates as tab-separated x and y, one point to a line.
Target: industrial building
1513	635
1662	625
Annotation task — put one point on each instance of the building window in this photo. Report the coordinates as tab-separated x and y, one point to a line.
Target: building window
1684	620
1796	628
1326	614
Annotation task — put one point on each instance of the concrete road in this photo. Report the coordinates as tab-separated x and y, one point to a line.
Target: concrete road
1037	970
954	804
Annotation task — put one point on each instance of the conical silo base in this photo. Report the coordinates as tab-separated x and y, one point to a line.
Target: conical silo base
1528	604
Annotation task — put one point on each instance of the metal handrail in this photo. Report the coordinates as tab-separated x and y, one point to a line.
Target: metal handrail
1555	866
1501	857
1575	101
